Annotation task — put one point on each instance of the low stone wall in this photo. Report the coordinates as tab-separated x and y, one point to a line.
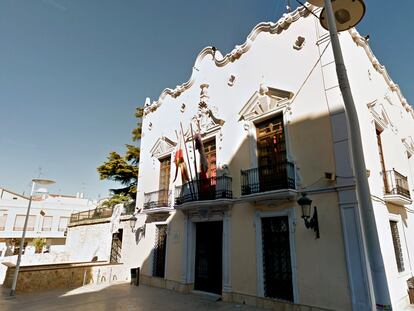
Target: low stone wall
32	259
68	275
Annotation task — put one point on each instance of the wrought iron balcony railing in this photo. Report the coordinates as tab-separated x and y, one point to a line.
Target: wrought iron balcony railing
267	178
204	189
397	184
157	199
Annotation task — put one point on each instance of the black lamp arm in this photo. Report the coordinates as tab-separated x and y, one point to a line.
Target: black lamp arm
313	223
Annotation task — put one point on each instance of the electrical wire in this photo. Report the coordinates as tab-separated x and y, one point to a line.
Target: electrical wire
310	73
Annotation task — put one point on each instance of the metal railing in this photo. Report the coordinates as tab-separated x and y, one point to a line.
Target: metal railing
100	213
157	199
267	178
204	189
397	184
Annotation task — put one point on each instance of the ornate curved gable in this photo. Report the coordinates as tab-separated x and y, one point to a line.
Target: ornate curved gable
162	147
264	102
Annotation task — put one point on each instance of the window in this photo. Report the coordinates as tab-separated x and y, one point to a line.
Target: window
63	223
3	219
47	223
19	223
381	154
164	182
271	154
397	245
210	152
165	168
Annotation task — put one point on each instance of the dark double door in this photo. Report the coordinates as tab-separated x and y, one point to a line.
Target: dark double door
277	268
208	257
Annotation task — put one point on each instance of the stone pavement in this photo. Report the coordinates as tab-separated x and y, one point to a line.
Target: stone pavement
116	297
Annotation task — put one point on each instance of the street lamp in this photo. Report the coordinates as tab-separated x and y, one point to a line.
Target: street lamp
310	223
19	257
339	16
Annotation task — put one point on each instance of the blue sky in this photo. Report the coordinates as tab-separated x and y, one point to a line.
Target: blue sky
73	71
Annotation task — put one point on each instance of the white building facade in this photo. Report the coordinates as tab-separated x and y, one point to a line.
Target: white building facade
271	118
49	218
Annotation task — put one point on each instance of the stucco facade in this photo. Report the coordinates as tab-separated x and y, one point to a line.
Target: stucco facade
283	70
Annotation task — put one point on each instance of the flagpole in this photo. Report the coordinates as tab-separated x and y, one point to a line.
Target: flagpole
188	160
195	158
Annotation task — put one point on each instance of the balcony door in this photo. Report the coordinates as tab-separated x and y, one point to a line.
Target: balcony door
381	155
164	182
271	154
207	188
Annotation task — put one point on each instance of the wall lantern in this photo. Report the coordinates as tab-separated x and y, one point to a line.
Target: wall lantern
306	205
132	223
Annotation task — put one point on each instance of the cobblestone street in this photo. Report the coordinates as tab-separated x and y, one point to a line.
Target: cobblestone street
114	298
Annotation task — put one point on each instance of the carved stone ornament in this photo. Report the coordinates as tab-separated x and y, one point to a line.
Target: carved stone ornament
205	120
265	101
162	147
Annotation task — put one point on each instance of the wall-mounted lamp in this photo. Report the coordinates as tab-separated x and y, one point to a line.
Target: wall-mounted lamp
132	223
306	205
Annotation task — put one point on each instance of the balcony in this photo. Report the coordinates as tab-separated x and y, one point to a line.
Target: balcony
396	188
278	179
98	213
208	189
157	201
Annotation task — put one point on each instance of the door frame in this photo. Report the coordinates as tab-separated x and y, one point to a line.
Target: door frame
190	249
290	213
151	259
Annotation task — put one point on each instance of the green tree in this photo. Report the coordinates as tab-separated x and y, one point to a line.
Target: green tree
124	168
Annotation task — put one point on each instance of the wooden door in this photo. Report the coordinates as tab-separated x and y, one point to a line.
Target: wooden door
164	181
271	152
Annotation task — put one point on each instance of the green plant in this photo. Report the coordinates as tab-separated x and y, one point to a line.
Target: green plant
38	244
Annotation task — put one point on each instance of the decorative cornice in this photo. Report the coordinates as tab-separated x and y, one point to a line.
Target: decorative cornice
361	41
273	28
265	102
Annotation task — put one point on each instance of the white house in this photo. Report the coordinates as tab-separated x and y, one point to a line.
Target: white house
272	121
48	219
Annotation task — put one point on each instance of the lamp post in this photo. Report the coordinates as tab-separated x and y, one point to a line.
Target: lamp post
19	257
345	15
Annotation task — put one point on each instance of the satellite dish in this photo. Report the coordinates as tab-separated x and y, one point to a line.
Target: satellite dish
347	14
320	3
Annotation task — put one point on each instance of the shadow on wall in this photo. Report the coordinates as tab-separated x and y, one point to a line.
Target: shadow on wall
309	148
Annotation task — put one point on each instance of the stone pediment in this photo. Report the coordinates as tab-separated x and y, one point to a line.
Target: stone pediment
266	101
408	143
380	115
162	147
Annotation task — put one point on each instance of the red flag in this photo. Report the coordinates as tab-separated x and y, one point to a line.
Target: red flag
180	164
